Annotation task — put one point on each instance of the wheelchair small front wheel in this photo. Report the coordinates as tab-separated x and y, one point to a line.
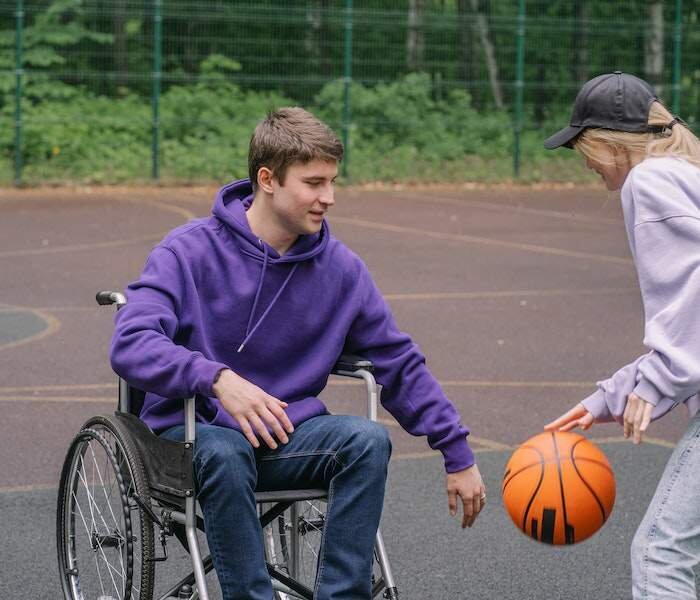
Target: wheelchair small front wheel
104	539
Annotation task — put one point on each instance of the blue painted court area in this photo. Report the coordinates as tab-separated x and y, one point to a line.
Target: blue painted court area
19	324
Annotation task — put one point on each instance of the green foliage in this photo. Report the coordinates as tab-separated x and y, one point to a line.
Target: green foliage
400	132
59	27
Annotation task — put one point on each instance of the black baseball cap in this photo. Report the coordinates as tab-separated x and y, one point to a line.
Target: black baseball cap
617	101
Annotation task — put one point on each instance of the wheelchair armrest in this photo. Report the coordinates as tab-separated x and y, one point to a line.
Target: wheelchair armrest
349	363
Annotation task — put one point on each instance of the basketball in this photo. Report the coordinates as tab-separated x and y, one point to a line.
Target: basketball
558	488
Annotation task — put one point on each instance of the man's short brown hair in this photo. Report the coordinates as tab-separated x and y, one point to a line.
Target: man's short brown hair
287	136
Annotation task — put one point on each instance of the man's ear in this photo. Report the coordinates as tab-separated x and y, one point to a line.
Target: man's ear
265	177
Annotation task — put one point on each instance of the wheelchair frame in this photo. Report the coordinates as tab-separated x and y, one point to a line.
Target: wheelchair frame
175	496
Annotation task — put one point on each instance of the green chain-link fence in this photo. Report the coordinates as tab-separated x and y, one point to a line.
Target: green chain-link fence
113	90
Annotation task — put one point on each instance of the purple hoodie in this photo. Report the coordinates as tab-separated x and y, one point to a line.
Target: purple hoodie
214	296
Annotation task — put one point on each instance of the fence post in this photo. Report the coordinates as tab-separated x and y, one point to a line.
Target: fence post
19	16
155	95
519	69
347	80
677	47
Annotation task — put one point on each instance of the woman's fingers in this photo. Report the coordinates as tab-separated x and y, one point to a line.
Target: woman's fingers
628	415
636	417
569	419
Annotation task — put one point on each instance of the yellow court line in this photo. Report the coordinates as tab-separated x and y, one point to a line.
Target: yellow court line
81	247
472	239
38	487
37	389
67	399
504	208
515	384
508	294
413	296
187	214
183	212
420	455
70	387
620	439
52	326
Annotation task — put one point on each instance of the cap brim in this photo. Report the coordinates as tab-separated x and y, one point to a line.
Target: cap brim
562	138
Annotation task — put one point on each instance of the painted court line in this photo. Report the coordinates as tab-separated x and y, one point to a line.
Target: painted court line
509	294
36	393
510	209
183	212
489	446
473	239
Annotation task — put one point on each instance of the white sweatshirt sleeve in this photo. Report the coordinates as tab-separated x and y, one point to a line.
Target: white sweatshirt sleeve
662	213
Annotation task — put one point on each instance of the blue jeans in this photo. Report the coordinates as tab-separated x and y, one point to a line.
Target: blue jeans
666	546
346	455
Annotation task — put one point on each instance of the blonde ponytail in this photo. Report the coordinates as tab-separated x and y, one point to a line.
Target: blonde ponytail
677	141
681	142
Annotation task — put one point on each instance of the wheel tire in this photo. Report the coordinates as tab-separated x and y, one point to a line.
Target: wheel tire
104	539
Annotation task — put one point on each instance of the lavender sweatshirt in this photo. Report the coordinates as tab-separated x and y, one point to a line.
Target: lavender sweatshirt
213	296
661	205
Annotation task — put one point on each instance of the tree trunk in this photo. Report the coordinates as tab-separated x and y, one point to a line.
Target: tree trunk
415	39
468	50
312	36
121	59
654	45
581	40
482	26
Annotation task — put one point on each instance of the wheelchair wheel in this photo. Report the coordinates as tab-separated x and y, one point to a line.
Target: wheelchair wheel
293	543
105	540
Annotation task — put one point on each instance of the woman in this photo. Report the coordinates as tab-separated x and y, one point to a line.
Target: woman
629	138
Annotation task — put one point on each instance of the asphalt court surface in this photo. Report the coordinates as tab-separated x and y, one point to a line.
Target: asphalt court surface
520	298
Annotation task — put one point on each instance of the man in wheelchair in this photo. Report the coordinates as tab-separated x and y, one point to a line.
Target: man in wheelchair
248	310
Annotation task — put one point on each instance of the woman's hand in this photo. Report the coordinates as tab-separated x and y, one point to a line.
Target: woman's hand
578	416
636	417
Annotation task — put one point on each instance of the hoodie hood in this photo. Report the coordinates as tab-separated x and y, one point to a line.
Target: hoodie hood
230	206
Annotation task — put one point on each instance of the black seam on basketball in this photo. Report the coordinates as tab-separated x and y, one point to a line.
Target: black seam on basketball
597	462
590	489
561	484
505	483
537	489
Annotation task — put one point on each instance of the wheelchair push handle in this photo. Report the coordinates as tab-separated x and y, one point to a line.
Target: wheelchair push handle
107	298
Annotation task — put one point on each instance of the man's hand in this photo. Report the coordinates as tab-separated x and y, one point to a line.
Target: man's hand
469	486
252	408
636	417
578	416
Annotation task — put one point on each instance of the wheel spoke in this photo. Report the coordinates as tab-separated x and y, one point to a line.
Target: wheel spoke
99	554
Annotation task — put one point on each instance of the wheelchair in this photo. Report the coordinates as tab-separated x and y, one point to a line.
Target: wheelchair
125	493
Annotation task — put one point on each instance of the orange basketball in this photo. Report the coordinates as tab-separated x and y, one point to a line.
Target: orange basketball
558	488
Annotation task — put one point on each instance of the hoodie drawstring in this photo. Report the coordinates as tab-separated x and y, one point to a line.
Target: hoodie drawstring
248	332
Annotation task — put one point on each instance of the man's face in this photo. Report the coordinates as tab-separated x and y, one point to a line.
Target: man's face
301	203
